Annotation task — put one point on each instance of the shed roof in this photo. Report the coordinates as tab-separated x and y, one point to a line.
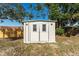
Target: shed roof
40	21
10	27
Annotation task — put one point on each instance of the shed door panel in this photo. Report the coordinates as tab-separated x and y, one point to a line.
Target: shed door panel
34	32
44	32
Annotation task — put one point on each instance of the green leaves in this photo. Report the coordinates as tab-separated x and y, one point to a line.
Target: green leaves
64	11
54	11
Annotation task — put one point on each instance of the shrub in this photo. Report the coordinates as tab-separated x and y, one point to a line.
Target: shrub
59	31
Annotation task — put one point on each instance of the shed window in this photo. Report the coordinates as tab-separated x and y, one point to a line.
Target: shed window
44	27
34	27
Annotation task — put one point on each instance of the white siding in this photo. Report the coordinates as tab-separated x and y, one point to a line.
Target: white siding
26	33
51	32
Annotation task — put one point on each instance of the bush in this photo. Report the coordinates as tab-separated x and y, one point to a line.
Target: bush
59	31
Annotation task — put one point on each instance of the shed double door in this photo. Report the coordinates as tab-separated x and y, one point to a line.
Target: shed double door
39	32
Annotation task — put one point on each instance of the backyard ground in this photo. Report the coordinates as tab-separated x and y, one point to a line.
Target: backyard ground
65	46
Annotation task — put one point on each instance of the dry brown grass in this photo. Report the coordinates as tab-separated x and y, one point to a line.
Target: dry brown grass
63	47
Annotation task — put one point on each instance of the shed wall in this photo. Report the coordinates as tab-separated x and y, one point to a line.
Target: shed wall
51	32
33	37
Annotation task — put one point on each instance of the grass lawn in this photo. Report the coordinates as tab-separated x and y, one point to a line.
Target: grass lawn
64	46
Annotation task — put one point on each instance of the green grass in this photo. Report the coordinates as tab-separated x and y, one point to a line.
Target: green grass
64	46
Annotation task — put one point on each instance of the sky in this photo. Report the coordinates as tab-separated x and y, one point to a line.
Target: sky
10	23
14	23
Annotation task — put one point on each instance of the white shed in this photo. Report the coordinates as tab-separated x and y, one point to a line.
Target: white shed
39	31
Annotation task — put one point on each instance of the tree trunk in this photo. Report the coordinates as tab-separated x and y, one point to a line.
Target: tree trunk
59	23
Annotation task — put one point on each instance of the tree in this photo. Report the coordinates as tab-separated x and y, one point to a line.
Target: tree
19	13
62	12
12	12
55	13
